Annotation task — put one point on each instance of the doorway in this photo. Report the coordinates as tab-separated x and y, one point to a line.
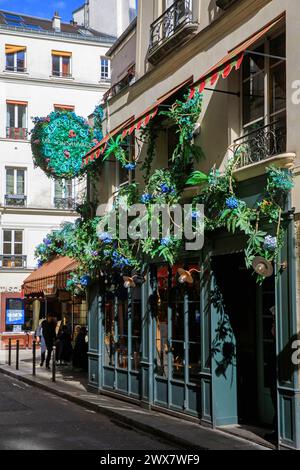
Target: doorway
247	305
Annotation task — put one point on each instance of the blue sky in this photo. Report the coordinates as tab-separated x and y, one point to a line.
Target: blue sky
42	8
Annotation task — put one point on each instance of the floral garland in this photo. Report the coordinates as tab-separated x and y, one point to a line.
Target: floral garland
96	251
60	140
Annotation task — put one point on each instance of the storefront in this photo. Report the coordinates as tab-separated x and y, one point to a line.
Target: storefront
46	295
209	348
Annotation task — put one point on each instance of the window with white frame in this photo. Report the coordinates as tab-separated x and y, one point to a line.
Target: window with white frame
15	186
16	119
105	69
12	248
264	85
64	194
61	64
15	57
264	101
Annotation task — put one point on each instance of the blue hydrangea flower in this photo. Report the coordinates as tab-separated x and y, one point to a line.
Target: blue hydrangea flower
95	253
130	166
146	198
85	280
47	241
106	252
165	189
232	203
40	263
270	243
195	215
105	237
165	241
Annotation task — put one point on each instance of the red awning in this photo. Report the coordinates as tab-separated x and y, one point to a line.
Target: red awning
129	126
143	119
50	277
232	60
99	149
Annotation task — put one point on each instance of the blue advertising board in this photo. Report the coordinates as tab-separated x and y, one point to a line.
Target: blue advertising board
15	314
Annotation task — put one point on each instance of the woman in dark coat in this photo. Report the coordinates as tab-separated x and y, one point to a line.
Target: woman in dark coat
64	346
80	356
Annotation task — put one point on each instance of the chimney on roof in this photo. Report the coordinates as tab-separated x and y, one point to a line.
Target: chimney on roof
56	22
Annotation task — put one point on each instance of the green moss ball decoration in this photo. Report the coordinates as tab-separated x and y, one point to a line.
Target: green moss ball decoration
60	141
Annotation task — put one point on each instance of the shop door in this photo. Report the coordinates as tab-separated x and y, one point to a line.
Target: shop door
122	340
247	305
177	351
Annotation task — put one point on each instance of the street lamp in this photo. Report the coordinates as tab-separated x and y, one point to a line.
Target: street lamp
186	276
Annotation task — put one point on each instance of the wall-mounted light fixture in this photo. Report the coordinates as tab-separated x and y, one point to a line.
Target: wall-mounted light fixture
186	276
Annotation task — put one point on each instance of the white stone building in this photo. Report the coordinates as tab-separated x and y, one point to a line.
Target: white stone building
97	14
44	65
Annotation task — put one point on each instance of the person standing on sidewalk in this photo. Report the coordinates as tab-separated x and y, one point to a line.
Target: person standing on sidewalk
49	334
39	334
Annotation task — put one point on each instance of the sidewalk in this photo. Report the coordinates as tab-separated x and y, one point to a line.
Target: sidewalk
72	386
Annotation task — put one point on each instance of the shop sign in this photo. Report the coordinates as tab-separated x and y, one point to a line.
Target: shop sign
10	290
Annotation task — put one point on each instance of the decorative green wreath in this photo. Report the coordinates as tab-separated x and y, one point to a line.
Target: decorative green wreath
60	140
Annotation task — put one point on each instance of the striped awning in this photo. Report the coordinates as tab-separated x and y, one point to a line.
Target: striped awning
51	277
233	60
12	49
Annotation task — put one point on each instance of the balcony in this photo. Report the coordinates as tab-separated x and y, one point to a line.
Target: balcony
15	200
174	27
67	203
260	148
16	133
13	261
126	81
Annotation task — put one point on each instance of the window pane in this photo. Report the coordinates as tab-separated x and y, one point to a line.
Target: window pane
22	116
68	188
253	63
55	65
18	236
278	48
162	341
194	362
11	115
21	61
123	335
10	181
253	98
278	87
66	66
7	235
109	344
7	248
20	182
178	360
18	249
10	61
58	189
136	334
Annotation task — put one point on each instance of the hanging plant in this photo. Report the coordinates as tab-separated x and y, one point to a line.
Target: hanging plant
60	140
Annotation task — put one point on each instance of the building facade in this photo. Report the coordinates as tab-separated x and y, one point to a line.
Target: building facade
46	65
98	14
205	351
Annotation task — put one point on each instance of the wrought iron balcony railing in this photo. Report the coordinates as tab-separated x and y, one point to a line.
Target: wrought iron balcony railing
13	261
66	203
167	25
260	144
16	200
16	133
